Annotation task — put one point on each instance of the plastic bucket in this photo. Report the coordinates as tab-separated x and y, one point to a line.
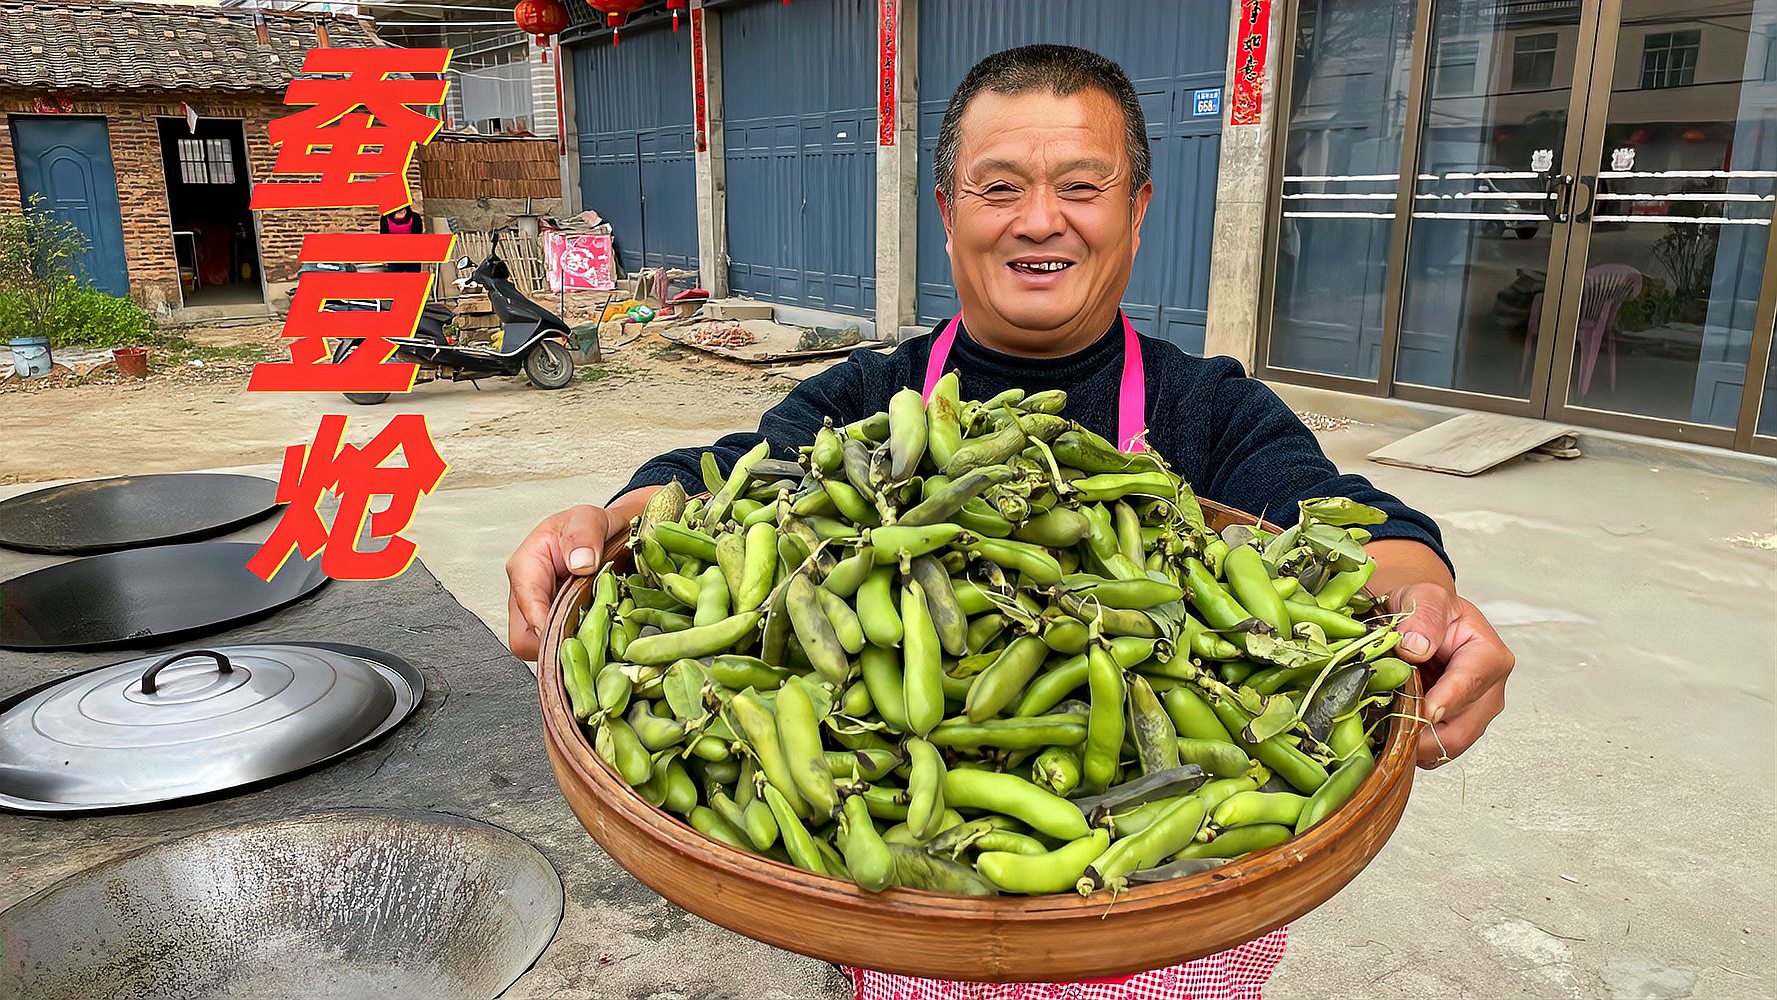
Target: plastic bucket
132	361
30	356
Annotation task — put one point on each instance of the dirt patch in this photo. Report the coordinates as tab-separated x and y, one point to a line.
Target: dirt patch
647	396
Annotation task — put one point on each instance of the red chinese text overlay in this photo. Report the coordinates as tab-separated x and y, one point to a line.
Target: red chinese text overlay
356	474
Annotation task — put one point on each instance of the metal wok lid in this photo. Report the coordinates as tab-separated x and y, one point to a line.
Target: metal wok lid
161	728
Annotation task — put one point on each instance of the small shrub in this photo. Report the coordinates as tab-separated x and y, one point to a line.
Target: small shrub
92	318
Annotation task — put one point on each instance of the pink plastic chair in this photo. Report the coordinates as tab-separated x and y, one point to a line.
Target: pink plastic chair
1606	288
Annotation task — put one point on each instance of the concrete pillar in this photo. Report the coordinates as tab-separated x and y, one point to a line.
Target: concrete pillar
897	167
712	179
570	138
1242	190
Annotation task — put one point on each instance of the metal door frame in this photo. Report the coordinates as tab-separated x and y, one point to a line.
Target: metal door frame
1557	341
1588	114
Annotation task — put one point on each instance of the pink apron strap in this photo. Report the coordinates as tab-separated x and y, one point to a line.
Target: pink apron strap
1132	394
940	355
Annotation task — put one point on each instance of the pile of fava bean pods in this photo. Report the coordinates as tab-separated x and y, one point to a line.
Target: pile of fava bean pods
971	647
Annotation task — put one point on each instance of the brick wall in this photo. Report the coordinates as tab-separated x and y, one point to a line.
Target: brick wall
142	187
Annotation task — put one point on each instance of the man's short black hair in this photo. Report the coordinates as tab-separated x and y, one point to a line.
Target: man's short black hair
1063	70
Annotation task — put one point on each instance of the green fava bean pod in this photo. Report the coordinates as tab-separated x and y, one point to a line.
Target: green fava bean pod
1156	742
1057	769
706	640
614	688
681	791
1193	717
758	567
1248	808
1339	590
1348	738
907	434
849	574
577	678
1006	679
1059	528
713	825
1104	728
894	541
916	869
1303	772
741	672
1210	598
1222	759
846	627
944	432
815	631
759	729
1171	832
1007	794
712	597
618	745
799	734
1388	674
867	857
925	789
655	732
876	608
984	629
861	765
1335	792
1238	841
882	677
947	614
1034	875
922	662
1052	687
1029	733
797	840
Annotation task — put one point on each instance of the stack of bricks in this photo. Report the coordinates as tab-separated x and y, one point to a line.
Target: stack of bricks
133	123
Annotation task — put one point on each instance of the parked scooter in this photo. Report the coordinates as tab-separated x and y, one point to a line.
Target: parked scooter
534	341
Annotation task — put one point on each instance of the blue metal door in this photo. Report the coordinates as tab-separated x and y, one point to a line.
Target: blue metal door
638	168
67	161
1173	58
799	101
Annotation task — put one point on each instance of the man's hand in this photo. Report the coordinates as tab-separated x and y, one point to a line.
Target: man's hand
1461	659
569	543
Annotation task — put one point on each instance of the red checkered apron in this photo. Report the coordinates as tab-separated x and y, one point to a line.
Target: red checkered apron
1236	974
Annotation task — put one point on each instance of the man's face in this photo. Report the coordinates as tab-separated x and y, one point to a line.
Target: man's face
1042	230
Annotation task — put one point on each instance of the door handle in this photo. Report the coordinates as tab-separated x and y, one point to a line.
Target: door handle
1557	197
1590	183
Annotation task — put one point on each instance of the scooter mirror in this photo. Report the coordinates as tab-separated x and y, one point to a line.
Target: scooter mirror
464	261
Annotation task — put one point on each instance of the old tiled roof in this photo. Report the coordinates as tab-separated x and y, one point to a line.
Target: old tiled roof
109	46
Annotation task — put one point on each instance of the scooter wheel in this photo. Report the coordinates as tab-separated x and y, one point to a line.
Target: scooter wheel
367	398
550	365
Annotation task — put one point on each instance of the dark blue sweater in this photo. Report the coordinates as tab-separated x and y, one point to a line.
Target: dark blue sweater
1229	436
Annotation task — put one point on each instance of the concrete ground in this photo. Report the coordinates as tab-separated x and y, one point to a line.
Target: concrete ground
1611	836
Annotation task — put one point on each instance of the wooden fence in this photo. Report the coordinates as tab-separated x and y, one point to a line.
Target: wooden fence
474	167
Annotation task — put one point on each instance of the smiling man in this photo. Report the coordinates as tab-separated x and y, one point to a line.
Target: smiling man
1043	184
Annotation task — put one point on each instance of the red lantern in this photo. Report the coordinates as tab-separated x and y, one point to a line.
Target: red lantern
615	11
541	18
675	6
1694	135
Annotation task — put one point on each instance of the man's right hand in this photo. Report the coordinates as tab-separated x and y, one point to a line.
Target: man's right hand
570	543
566	544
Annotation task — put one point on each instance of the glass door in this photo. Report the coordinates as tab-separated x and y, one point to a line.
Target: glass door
1501	115
1672	220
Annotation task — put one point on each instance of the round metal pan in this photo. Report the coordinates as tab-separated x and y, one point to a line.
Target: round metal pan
103	515
145	597
120	759
358	903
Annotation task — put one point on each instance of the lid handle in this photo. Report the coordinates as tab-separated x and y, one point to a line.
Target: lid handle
222	666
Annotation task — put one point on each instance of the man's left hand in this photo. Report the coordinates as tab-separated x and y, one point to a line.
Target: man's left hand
1463	662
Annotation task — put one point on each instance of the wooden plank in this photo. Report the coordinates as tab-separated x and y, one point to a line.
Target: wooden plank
1473	443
